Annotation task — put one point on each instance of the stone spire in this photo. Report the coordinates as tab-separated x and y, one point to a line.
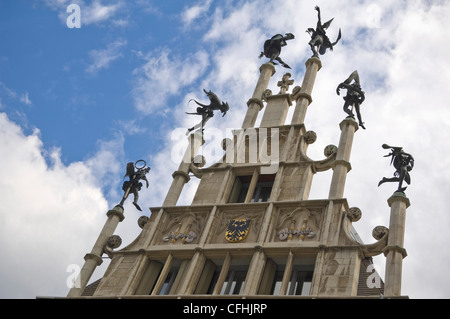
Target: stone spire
303	96
255	104
94	258
394	252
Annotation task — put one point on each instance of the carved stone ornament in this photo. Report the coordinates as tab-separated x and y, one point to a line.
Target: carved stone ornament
237	230
354	214
379	232
304	231
174	236
286	233
285	83
310	137
184	226
142	221
114	241
330	150
266	94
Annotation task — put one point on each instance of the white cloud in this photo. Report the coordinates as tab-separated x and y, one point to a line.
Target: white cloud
13	95
163	75
101	59
189	15
98	12
25	99
51	213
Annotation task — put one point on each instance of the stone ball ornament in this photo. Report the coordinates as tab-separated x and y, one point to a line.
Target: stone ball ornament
142	221
379	232
114	241
330	150
310	137
354	214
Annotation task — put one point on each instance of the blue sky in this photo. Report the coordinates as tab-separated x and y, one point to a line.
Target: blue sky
77	104
80	81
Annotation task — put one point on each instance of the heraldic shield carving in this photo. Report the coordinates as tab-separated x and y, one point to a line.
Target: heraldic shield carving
237	230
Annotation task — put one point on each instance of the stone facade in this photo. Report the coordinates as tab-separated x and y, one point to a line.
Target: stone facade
251	230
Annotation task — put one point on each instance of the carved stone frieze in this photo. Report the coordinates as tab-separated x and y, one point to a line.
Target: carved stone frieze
301	223
185	237
183	227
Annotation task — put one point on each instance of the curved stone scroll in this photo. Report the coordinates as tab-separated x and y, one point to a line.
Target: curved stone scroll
112	243
380	233
330	152
197	163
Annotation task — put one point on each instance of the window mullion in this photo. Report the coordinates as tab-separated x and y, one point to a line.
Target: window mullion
287	274
251	187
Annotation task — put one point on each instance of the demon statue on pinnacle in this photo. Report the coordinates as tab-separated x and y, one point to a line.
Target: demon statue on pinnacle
403	163
319	40
133	185
355	96
272	48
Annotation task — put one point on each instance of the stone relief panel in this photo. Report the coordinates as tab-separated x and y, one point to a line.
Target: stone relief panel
300	224
238	226
181	228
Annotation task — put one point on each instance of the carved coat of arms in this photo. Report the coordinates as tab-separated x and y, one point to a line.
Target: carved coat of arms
237	230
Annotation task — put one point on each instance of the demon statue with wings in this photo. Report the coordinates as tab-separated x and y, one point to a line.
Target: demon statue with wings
319	40
272	48
207	111
133	185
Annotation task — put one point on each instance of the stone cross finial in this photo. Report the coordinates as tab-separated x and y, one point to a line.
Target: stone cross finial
285	83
